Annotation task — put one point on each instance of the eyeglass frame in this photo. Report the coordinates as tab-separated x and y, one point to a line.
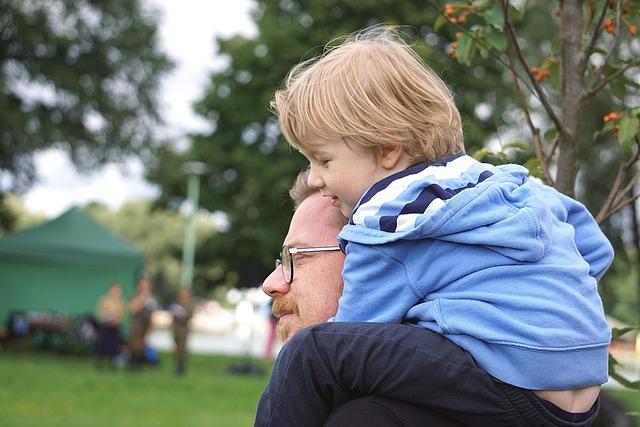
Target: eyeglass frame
294	251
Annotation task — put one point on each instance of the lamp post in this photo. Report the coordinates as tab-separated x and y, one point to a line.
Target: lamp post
194	170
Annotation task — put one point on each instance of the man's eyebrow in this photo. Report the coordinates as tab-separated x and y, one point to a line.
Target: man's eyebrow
297	244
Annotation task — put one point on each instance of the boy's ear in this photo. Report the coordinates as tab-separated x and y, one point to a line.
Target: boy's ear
391	156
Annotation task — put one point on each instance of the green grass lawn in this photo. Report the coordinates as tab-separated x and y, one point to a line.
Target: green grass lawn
44	389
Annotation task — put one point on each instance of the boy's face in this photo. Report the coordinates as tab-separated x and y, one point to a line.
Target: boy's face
342	172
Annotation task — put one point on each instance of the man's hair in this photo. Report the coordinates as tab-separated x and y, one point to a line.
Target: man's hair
373	91
300	189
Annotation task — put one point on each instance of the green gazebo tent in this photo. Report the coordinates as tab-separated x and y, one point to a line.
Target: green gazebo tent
64	266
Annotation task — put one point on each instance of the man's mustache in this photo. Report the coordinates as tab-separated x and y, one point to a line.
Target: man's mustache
282	306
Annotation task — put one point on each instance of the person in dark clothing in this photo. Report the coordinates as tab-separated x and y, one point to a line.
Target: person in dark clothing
182	311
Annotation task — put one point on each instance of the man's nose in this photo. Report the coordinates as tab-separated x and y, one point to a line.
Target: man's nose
275	285
314	180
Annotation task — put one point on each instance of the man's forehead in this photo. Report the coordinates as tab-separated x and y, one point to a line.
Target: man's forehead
312	223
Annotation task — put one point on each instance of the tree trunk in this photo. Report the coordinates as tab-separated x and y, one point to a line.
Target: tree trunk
636	254
572	80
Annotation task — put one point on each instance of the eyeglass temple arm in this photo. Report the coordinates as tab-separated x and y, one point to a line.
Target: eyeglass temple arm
294	251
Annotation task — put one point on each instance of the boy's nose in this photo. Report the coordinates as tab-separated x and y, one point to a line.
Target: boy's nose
314	180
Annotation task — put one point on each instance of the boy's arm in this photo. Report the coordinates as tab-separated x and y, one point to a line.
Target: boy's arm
376	287
590	241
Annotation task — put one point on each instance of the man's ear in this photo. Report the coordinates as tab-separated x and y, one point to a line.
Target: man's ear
391	156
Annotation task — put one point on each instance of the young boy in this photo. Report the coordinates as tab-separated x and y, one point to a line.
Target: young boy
504	267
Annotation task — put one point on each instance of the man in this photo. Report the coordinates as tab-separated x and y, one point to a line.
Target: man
312	296
182	311
140	307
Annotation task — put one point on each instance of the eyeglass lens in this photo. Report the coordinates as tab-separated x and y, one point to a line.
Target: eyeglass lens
287	264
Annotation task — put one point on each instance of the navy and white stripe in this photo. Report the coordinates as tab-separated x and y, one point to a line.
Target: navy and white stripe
395	203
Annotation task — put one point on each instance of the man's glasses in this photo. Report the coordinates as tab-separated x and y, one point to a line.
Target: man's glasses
286	258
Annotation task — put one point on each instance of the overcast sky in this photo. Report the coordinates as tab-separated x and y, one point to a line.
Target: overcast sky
187	32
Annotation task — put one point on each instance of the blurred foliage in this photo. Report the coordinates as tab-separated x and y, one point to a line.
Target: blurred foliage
81	76
19	216
250	166
159	235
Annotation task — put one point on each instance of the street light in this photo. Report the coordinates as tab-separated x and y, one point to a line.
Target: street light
194	170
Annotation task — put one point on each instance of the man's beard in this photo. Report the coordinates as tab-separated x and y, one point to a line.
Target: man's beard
280	307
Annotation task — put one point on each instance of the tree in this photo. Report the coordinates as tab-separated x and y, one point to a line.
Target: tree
76	75
250	166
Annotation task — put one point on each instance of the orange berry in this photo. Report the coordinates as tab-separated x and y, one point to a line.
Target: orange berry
462	19
453	20
633	30
454	45
534	70
448	9
558	12
606	118
608	23
458	35
453	54
613	116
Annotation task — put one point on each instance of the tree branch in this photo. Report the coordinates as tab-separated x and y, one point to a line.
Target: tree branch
630	185
596	87
619	206
535	132
553	149
616	40
586	53
608	207
514	42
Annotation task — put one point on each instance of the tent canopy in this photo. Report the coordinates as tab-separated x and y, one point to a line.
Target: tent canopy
70	238
64	265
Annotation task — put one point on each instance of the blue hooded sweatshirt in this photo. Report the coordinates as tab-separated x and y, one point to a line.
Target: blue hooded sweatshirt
501	265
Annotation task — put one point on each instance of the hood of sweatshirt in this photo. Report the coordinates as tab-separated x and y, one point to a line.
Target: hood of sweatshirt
457	199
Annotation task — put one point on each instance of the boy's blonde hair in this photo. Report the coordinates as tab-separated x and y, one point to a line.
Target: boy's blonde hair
372	91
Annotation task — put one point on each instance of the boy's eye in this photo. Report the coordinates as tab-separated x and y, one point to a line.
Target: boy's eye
323	162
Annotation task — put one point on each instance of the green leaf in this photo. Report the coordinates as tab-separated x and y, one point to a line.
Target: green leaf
618	89
533	166
516	13
481	154
440	22
465	46
493	16
517	144
484	53
635	112
631	83
618	332
480	4
496	40
554	80
550	134
627	130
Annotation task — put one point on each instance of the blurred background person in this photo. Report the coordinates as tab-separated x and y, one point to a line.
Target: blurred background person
182	310
141	307
110	313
